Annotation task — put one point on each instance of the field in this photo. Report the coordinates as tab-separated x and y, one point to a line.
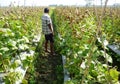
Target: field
82	35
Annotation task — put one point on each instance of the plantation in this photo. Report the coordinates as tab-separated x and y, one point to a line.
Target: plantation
19	28
83	39
83	35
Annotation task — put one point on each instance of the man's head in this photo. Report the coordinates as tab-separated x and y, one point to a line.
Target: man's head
46	10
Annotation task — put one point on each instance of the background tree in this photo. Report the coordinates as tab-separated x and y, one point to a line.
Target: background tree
89	2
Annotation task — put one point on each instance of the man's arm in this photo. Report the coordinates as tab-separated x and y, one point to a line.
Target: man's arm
50	27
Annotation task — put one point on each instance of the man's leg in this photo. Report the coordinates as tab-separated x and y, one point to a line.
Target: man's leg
46	45
51	47
51	44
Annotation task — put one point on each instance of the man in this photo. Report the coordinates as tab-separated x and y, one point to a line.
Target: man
47	30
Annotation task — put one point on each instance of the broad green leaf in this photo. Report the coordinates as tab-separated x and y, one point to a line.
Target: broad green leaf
4	49
114	74
24	81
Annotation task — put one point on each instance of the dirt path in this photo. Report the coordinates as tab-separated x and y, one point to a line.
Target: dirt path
49	69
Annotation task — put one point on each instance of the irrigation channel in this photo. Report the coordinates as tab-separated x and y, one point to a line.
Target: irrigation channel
49	68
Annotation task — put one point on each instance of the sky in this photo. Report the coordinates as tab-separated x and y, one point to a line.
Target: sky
49	2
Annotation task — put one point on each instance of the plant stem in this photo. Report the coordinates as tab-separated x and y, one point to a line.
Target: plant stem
99	31
89	59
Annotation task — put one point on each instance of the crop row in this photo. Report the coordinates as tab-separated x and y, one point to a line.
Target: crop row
18	30
83	37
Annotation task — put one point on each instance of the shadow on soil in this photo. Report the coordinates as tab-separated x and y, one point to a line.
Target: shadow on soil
49	69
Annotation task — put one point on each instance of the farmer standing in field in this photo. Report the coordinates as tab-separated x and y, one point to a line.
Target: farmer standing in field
47	30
